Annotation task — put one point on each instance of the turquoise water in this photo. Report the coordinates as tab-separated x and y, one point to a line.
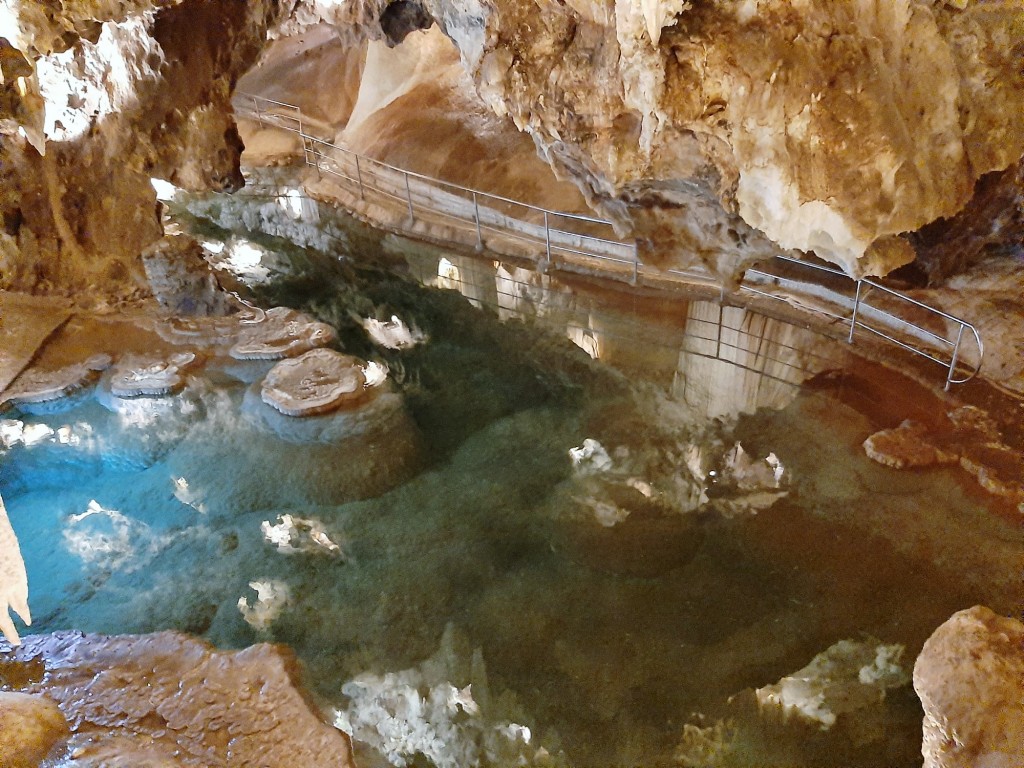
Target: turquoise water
471	548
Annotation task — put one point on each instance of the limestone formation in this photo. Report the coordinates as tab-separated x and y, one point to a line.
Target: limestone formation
168	699
319	381
114	93
148	376
830	128
849	676
968	677
181	280
39	386
967	436
30	726
718	132
281	333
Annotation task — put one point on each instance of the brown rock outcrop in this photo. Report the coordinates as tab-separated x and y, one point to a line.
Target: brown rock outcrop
169	699
131	91
967	435
30	726
970	678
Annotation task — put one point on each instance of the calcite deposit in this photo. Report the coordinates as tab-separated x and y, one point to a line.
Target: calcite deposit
968	436
280	333
319	381
968	678
149	376
849	676
168	699
38	386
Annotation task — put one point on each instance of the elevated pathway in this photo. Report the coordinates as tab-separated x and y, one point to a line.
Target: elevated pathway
438	211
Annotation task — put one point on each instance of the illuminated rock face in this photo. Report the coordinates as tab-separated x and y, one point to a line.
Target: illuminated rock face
717	132
167	699
120	93
828	127
968	677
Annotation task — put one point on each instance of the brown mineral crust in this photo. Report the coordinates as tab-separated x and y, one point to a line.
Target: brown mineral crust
171	697
908	445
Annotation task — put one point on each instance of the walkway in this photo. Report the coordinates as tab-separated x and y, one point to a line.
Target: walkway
423	207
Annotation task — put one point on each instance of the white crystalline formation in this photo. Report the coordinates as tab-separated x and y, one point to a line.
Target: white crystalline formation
272	596
13	580
848	676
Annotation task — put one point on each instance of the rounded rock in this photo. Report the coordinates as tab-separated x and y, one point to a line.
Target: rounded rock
318	381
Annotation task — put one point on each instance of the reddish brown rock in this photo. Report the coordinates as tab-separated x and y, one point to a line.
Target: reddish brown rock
169	699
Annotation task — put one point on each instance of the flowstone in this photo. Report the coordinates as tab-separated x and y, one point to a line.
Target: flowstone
167	699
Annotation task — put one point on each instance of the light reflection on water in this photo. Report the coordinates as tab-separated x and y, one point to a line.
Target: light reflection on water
476	558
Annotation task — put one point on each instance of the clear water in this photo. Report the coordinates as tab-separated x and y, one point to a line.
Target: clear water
470	540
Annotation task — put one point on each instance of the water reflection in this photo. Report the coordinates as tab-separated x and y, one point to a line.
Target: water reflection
719	360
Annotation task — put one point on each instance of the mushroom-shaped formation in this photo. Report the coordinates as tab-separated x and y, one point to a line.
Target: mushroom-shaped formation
281	333
38	386
150	377
319	381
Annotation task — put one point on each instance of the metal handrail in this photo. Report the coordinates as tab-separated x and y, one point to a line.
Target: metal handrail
562	241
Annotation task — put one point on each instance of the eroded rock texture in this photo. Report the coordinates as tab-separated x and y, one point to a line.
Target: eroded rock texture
113	94
968	677
168	699
723	131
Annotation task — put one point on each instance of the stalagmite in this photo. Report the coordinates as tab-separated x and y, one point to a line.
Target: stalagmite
13	580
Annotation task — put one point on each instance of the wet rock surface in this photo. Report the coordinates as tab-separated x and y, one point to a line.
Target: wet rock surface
967	436
169	699
318	381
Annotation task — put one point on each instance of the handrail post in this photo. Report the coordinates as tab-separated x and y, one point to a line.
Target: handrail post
408	197
636	262
256	106
359	179
956	354
547	240
476	218
856	307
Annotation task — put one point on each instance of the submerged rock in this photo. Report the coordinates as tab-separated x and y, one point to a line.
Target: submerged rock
970	679
168	699
848	676
318	381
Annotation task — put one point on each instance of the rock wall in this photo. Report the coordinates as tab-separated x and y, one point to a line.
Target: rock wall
829	127
719	132
113	94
